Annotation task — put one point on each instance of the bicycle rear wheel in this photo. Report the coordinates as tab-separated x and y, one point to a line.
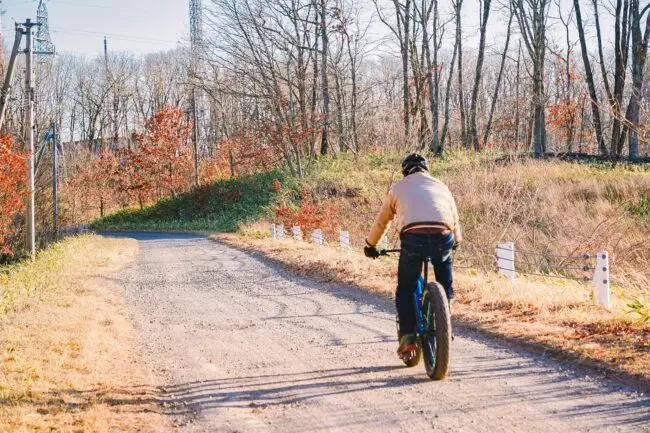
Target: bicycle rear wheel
436	340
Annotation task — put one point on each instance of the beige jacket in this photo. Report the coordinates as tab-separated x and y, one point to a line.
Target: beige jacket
418	198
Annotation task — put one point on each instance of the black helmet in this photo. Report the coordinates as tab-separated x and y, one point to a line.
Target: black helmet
413	164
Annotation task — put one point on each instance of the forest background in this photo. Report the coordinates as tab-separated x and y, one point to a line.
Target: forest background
284	84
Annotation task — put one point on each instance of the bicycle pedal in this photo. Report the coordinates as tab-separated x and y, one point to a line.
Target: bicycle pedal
408	351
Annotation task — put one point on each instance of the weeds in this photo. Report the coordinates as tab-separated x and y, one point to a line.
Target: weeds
639	308
53	266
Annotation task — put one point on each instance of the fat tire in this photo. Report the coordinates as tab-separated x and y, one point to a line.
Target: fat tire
436	296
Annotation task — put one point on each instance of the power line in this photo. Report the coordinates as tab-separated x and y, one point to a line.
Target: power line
62	2
124	37
104	6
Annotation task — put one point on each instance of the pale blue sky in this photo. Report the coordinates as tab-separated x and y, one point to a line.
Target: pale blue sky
140	26
79	26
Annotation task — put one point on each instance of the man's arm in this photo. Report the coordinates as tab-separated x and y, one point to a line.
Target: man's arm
382	221
458	235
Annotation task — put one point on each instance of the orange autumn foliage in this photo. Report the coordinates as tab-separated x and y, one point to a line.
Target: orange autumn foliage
161	165
309	215
13	176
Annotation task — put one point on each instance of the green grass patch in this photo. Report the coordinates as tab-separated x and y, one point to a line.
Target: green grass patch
641	208
222	206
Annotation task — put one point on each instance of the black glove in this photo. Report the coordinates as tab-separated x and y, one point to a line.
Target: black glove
455	247
371	252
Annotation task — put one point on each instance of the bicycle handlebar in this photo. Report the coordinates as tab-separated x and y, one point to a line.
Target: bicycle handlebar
387	252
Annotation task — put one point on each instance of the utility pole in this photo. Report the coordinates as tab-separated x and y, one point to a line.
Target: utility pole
196	137
2	43
55	175
29	88
6	88
196	40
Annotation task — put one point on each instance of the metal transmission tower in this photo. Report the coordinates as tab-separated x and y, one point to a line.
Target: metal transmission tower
43	46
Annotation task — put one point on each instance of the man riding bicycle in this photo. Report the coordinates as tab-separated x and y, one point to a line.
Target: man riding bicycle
429	227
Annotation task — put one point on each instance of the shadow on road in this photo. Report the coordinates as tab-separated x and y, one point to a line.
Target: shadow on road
153	236
258	392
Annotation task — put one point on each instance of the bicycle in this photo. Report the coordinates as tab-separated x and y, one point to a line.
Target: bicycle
433	325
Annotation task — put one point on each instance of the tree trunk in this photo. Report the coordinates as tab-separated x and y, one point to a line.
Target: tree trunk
473	129
495	96
517	110
353	102
639	56
532	18
593	96
433	75
539	111
621	52
461	93
445	126
324	148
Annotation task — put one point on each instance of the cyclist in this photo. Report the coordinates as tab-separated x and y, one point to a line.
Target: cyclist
429	227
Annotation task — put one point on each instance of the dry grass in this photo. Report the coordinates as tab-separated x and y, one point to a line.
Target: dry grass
67	350
560	317
544	207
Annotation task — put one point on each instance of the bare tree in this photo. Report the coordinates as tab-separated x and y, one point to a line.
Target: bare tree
324	148
639	55
532	16
402	31
589	76
495	96
458	8
473	129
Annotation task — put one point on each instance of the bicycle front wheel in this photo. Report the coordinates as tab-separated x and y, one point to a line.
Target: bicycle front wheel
436	339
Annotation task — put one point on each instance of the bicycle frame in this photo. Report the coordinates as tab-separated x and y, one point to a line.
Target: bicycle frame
419	293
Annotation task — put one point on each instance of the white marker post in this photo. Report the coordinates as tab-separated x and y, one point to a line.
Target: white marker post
273	234
505	253
344	240
317	237
279	231
601	280
297	233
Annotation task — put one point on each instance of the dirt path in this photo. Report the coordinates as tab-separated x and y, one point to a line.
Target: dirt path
241	347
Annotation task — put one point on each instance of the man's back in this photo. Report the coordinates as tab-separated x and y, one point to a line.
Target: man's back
422	198
418	198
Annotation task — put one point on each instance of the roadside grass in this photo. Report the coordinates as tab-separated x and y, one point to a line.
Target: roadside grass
561	318
68	358
222	206
547	207
22	282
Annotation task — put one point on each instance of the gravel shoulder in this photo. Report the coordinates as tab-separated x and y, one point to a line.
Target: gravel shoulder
238	345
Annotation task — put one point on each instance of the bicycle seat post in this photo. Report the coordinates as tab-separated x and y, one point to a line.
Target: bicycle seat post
426	270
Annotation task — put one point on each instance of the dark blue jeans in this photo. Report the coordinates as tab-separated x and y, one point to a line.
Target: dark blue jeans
415	248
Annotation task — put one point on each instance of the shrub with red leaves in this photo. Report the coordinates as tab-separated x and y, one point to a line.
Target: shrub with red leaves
13	175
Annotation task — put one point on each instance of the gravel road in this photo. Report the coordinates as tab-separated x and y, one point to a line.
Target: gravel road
240	346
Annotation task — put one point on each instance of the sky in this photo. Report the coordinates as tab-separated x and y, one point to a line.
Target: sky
141	26
79	26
